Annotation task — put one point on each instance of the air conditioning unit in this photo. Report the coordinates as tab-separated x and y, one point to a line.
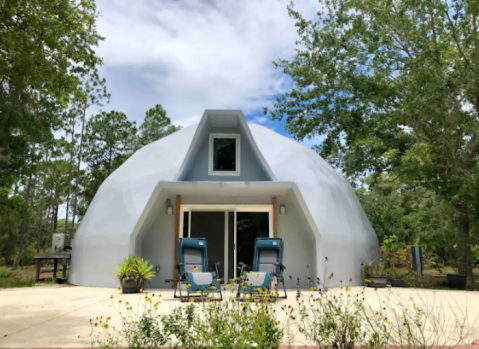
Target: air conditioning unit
60	243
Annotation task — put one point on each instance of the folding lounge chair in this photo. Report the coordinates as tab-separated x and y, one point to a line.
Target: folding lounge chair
193	271
267	265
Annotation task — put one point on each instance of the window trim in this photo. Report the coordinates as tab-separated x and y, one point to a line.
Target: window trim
235	136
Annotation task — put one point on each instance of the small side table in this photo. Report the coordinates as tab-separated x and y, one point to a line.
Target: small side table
55	256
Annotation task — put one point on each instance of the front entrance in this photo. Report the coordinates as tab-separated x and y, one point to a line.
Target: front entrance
229	230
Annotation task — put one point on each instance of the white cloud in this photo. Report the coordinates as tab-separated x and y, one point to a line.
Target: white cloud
192	55
311	142
260	120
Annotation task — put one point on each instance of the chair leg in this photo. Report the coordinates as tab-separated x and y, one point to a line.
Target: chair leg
176	289
284	288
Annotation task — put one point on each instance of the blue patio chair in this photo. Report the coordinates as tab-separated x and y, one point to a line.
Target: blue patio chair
193	271
267	265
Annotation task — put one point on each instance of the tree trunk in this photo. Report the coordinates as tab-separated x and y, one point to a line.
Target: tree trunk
47	228
1	234
8	248
55	218
40	224
77	180
22	233
461	222
70	176
109	162
441	227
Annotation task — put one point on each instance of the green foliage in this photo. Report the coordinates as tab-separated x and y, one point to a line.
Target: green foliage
475	254
155	126
229	324
392	86
209	325
6	282
136	269
5	272
110	137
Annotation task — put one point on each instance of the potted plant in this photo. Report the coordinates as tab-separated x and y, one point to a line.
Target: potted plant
375	274
133	273
456	281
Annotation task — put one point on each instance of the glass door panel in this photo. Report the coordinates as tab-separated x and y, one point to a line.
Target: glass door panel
211	225
249	226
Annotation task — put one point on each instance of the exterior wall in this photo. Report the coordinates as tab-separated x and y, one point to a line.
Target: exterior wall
251	169
157	242
299	244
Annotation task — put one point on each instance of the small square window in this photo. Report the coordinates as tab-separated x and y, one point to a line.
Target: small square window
224	154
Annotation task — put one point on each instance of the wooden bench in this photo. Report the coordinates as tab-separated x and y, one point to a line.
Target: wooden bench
55	256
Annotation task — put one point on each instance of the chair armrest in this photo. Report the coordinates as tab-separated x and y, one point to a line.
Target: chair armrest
280	265
215	267
244	266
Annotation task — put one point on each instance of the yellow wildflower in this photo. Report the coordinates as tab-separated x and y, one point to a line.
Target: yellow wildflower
199	291
313	288
213	287
111	297
189	285
120	301
195	269
192	299
367	280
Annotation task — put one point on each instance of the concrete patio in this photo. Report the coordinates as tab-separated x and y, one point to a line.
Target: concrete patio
58	316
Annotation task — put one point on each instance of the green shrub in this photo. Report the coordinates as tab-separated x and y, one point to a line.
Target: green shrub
5	282
5	272
209	325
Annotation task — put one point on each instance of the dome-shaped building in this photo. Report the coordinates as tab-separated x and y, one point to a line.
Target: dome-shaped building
230	182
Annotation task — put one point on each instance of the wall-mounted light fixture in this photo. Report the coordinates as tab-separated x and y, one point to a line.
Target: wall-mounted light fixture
282	209
169	208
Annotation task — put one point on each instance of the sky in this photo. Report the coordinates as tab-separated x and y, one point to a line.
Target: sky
192	55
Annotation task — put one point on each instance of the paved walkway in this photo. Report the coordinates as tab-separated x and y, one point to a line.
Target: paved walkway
58	316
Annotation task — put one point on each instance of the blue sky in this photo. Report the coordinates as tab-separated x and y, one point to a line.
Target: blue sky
192	55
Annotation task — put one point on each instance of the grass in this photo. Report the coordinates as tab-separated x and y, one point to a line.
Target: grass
26	277
9	282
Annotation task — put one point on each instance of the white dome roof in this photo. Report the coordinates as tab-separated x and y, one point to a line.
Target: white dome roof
343	232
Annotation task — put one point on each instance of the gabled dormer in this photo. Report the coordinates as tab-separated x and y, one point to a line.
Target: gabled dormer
223	149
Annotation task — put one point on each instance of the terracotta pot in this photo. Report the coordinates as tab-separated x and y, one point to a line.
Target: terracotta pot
129	286
378	281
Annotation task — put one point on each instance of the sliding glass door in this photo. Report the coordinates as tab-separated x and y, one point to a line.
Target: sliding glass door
211	225
230	232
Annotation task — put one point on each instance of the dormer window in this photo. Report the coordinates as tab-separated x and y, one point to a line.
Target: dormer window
224	159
